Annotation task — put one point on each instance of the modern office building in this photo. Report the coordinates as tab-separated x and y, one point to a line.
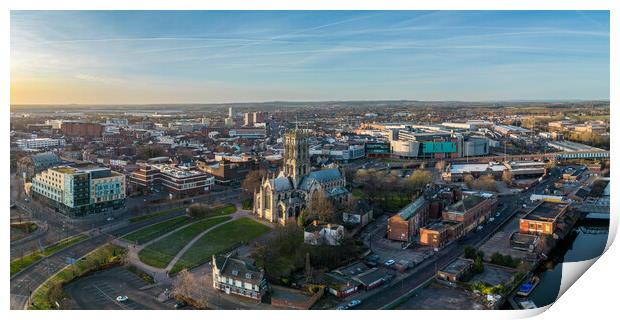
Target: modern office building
80	191
39	143
177	181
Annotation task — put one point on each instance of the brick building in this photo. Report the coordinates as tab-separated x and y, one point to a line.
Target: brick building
82	129
406	224
543	218
472	210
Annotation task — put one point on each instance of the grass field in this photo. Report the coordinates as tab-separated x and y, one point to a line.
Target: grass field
151	232
160	253
155	214
21	263
357	193
143	275
396	203
205	212
220	240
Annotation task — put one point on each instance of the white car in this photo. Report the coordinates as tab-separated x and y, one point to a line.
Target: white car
390	262
479	228
354	303
491	219
122	298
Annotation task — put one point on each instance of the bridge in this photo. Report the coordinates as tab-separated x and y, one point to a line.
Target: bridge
537	156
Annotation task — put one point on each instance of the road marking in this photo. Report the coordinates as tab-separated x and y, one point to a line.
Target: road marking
113	300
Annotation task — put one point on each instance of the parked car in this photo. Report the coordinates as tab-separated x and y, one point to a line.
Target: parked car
122	298
354	303
110	218
491	219
342	307
479	228
390	263
180	304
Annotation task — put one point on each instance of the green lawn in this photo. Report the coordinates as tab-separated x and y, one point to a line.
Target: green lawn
155	215
226	209
357	193
396	203
151	232
21	263
220	240
141	274
63	244
160	253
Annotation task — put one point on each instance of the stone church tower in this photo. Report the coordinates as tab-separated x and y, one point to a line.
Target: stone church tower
296	155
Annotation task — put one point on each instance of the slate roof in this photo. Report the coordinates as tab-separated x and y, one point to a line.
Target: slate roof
321	176
407	212
238	269
281	183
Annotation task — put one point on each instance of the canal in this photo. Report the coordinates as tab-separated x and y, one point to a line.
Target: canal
587	241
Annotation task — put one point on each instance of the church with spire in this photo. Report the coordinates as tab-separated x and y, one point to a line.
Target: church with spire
280	199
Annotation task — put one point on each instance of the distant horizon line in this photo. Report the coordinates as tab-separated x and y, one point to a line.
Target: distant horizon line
315	101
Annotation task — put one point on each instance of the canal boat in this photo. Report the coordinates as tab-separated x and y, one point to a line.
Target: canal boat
527	288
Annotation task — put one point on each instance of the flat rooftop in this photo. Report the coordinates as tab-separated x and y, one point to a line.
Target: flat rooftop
572	146
546	211
476	167
457	266
441	225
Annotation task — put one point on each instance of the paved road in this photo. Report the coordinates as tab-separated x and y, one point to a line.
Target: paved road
24	283
393	291
29	280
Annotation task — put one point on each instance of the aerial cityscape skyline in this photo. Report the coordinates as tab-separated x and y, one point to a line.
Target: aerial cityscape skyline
307	160
142	57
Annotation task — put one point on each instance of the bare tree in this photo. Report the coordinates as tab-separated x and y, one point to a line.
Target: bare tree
507	177
184	284
440	165
252	182
322	207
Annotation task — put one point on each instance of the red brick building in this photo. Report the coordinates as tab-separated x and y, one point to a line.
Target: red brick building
406	224
440	233
82	129
543	218
472	210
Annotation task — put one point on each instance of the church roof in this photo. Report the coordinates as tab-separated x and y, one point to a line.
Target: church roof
320	176
326	175
337	191
281	183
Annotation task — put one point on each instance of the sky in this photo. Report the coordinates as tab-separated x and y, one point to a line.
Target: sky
146	57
